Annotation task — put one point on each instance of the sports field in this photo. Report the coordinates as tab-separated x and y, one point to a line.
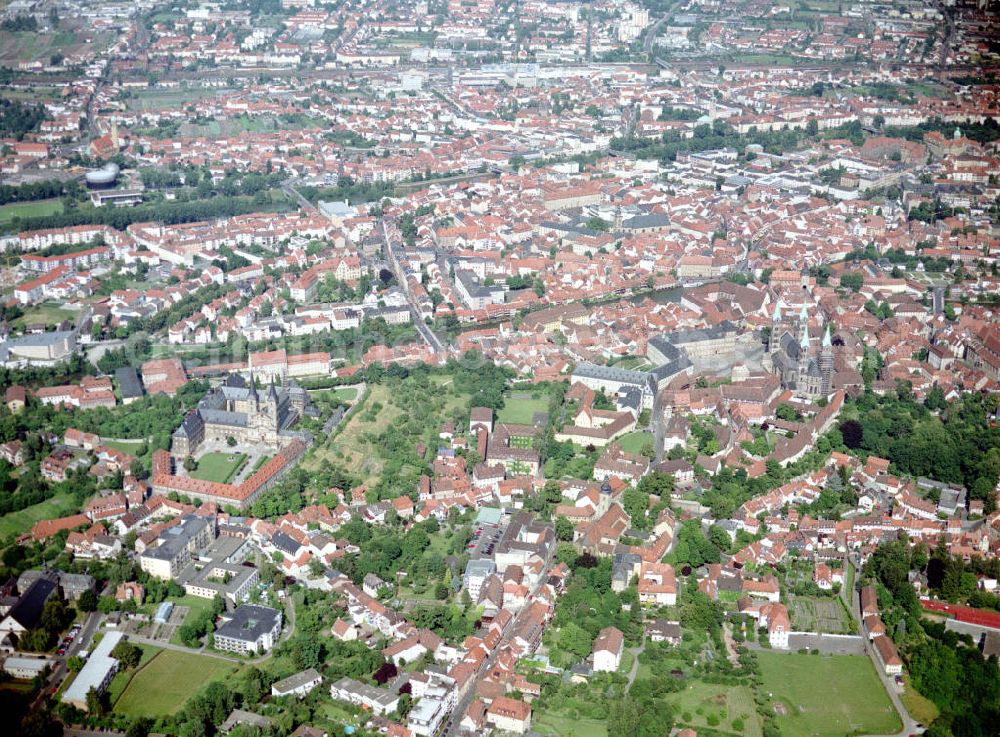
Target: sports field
826	695
38	208
168	681
219	467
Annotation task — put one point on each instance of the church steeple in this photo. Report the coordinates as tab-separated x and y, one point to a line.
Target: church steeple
826	361
804	339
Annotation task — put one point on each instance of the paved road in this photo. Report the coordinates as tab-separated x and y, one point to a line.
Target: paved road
656	420
909	723
634	670
451	726
391	257
82	642
827	644
288	188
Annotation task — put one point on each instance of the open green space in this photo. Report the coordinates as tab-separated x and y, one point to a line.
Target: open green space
635	442
122	678
157	98
345	394
21	46
219	467
356	447
125	446
196	606
920	707
167	681
826	695
520	408
17	523
564	725
38	208
731	705
46	313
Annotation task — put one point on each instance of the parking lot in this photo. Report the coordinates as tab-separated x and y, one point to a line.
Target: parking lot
67	640
484	540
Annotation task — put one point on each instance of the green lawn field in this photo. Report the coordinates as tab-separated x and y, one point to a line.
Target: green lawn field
19	522
125	446
121	680
346	394
826	695
561	725
520	409
634	442
168	681
219	467
920	707
46	313
38	208
699	701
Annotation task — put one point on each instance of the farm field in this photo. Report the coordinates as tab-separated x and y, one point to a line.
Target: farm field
21	521
219	467
732	705
826	696
38	208
168	681
816	614
18	46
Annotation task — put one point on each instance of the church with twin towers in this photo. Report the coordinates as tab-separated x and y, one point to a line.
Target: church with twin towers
803	365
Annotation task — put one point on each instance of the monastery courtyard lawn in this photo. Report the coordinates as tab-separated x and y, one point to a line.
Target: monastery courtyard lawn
520	407
826	695
168	681
219	467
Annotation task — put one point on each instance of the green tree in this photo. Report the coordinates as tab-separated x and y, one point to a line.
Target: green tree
852	280
564	529
127	654
623	717
574	639
87	601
